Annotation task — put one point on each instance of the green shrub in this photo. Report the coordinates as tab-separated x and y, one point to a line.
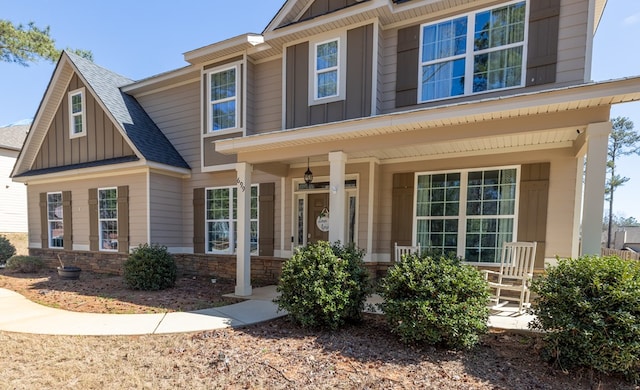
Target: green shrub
324	286
6	249
24	264
435	301
150	267
590	310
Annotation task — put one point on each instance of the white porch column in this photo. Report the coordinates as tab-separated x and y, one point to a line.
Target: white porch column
337	197
243	253
597	135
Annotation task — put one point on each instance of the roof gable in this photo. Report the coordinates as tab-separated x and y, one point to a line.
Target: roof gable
294	11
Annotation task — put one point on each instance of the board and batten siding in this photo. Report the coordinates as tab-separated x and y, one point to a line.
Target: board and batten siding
176	111
13	196
137	199
165	210
102	140
266	98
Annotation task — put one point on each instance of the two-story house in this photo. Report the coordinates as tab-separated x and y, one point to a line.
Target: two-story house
458	125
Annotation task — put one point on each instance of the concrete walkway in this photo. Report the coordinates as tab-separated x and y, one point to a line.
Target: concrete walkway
18	314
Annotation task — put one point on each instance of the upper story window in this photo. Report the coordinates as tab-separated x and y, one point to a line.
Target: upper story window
108	218
327	67
77	117
223	89
54	220
477	52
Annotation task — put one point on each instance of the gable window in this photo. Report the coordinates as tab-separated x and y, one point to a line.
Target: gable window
77	118
468	213
221	208
477	52
108	218
54	220
223	90
326	69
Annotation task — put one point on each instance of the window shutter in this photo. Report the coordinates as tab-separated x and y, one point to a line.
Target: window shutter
266	209
93	219
532	214
407	66
198	220
44	221
123	219
402	209
66	220
542	55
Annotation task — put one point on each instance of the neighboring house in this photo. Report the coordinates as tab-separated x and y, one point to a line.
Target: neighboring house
456	124
13	196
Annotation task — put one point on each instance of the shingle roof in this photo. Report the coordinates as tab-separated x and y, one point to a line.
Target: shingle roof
12	137
140	129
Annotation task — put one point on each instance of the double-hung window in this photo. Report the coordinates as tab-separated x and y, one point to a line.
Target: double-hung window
108	218
77	118
467	213
54	220
222	218
327	69
473	53
223	107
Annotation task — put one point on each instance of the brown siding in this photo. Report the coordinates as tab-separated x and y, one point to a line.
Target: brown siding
266	207
123	219
297	85
102	141
323	7
267	97
198	220
67	220
534	200
402	209
544	20
359	68
407	66
211	157
44	229
94	236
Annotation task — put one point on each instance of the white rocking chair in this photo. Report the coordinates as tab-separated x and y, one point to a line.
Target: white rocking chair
516	272
402	250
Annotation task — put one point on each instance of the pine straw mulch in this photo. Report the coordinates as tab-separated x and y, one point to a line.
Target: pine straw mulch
272	355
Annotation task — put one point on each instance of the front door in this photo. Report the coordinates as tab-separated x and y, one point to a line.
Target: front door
317	203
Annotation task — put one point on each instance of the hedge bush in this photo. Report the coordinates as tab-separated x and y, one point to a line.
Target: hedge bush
150	267
589	309
435	300
324	286
6	249
24	264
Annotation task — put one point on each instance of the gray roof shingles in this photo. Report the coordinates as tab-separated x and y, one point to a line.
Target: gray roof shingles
139	127
12	137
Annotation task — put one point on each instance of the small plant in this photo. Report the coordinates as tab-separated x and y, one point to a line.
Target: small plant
589	309
6	249
324	286
150	267
435	301
24	264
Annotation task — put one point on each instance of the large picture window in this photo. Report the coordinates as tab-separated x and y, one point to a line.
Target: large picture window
477	52
468	213
223	99
221	208
54	220
108	218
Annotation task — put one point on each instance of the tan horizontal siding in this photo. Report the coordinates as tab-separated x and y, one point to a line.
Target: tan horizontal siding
267	97
166	210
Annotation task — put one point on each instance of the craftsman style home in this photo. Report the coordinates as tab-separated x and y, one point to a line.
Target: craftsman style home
458	125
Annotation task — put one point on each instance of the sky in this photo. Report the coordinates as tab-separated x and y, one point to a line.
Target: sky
142	38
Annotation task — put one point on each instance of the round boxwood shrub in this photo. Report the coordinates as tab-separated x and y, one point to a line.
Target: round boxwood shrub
435	300
324	286
150	267
6	249
24	264
589	309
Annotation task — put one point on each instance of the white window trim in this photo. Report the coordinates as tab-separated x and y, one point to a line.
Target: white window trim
237	98
81	92
462	219
341	69
100	220
61	220
231	220
470	54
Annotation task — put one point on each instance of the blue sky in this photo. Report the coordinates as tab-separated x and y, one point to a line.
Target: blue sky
141	38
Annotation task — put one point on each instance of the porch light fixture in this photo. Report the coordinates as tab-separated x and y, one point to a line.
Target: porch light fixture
308	175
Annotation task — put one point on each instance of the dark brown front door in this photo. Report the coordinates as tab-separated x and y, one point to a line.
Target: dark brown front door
317	203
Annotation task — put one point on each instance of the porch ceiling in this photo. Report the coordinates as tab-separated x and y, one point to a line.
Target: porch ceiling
476	127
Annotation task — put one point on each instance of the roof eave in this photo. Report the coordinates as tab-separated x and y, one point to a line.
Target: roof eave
238	43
